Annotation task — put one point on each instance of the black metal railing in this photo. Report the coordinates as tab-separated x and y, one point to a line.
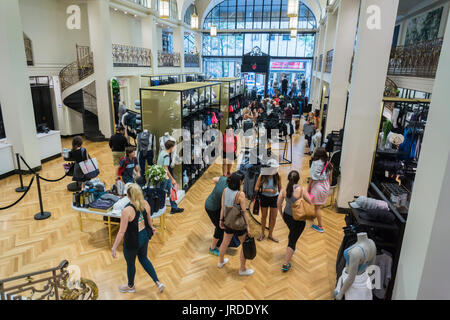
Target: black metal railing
320	62
51	284
192	60
418	60
129	56
78	70
169	59
329	61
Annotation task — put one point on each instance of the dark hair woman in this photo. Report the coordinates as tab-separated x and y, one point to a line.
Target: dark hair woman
321	175
233	197
291	194
78	154
269	186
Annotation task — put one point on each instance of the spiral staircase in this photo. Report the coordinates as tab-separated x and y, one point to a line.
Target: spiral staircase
78	92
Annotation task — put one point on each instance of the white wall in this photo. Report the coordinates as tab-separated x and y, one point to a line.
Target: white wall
44	22
125	29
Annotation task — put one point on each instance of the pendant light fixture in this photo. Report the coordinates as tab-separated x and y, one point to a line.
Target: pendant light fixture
164	11
294	33
213	31
293	7
194	19
293	23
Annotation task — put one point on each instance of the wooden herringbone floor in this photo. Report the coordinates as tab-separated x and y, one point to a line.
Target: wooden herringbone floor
182	261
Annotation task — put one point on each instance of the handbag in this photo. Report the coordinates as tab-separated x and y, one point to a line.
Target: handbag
302	210
257	203
68	168
234	218
249	248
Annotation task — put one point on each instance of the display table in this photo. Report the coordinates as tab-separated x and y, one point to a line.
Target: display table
49	144
115	214
6	158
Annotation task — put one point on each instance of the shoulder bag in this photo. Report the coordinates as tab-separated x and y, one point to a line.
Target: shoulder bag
302	210
234	217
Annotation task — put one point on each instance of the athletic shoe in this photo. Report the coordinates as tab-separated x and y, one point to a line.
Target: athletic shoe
317	228
286	267
176	210
161	287
247	272
214	252
220	265
126	289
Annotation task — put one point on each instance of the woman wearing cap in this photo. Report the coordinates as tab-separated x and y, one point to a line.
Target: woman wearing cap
269	186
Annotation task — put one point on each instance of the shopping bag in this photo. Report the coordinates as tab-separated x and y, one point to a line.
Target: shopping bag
249	248
89	168
256	205
173	195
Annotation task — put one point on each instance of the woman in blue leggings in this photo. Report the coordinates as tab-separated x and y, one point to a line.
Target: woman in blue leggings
136	228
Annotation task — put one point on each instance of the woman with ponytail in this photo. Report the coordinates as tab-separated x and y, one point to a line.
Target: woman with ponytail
136	228
291	194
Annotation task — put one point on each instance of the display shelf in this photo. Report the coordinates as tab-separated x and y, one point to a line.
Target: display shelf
176	106
231	89
165	79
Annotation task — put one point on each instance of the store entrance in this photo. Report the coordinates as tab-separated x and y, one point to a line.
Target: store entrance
255	82
297	72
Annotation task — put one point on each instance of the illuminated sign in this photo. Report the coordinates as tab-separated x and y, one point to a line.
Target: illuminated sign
290	65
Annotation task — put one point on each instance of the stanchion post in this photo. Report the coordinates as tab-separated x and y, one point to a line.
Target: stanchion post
22	188
42	215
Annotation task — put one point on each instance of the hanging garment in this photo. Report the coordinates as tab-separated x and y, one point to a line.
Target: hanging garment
384	262
214	119
360	289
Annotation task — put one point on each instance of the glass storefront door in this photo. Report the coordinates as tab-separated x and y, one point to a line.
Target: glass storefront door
298	71
255	81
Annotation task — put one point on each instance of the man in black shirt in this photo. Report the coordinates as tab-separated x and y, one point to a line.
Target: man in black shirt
118	143
284	86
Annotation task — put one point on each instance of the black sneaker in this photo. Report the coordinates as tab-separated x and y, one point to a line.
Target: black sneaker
176	210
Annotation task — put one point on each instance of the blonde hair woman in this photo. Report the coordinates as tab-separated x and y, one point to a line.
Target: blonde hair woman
136	228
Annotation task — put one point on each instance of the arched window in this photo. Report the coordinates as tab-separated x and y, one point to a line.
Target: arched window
257	14
187	15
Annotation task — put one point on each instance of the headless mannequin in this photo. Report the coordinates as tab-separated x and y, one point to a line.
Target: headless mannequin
358	257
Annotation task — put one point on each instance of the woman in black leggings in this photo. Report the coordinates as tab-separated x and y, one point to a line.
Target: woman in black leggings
292	193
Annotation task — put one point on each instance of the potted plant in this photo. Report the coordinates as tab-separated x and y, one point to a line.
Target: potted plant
155	174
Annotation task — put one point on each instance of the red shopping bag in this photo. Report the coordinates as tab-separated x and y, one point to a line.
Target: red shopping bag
173	195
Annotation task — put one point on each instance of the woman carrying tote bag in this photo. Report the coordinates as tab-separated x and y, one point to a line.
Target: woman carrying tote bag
234	220
292	194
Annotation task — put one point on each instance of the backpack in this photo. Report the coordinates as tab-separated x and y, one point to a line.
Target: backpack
156	198
122	168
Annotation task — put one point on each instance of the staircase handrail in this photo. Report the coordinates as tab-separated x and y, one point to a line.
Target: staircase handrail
78	70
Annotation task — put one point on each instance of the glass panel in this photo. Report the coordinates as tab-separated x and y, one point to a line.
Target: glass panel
274	44
215	50
266	15
249	17
222	44
256	38
284	17
265	43
310	39
300	46
275	22
248	43
239	44
258	17
292	43
284	38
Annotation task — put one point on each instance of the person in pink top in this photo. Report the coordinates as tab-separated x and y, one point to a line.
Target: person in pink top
229	150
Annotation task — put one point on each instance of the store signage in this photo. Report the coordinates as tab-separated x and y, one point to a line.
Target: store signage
73	22
291	65
254	66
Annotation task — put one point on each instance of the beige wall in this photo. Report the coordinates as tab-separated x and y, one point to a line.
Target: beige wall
125	29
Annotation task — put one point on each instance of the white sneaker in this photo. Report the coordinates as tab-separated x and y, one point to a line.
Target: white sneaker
220	265
161	287
247	272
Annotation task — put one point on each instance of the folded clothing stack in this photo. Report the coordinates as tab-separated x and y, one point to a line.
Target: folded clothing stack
365	203
101	205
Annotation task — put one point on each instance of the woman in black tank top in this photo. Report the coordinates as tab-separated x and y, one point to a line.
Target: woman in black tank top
136	229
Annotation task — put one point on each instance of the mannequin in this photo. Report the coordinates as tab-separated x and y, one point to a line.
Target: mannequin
354	282
146	149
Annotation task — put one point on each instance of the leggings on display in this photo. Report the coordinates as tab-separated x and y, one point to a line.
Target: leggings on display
145	158
141	253
295	229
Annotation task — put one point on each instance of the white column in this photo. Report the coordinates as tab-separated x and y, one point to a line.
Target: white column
178	44
347	20
15	93
199	46
321	68
101	46
366	93
425	260
149	39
